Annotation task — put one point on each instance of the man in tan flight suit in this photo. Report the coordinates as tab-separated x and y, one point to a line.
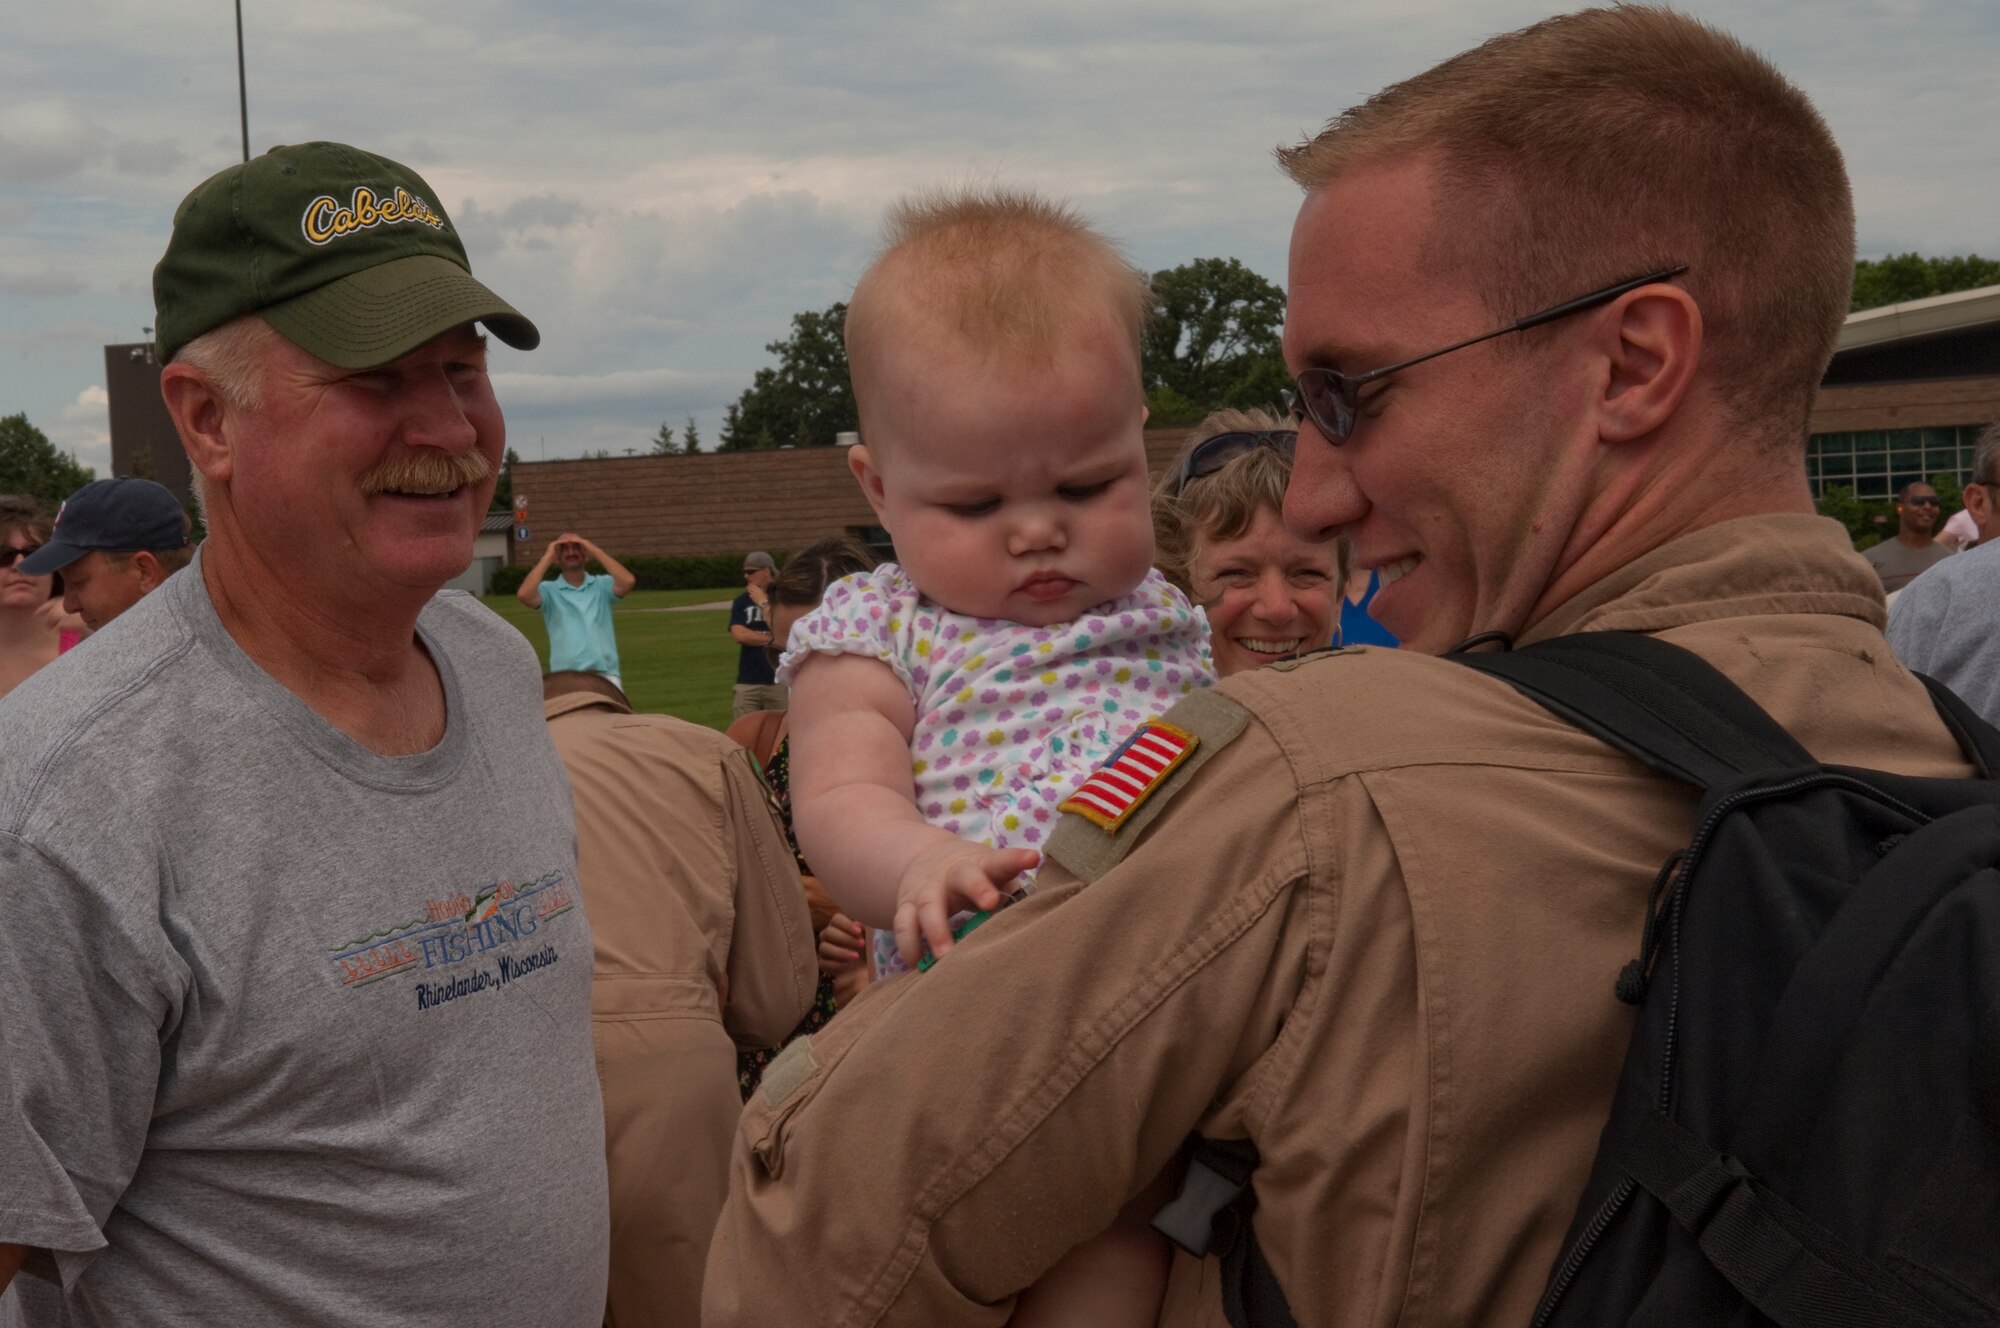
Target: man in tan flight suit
1372	923
703	944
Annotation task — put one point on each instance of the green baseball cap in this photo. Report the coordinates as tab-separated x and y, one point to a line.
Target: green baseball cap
347	254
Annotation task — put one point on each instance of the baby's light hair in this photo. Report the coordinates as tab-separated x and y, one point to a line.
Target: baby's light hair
1010	275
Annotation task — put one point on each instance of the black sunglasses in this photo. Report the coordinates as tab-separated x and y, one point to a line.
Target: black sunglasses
1212	454
1329	398
11	555
1922	502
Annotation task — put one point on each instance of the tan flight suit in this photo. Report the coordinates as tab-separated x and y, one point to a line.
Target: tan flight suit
692	893
1375	933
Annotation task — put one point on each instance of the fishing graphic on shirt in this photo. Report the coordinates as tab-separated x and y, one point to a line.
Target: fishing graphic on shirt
464	944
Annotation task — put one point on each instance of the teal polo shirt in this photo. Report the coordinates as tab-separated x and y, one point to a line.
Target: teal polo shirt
579	623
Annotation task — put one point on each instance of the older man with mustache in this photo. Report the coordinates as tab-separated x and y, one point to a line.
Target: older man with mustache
296	973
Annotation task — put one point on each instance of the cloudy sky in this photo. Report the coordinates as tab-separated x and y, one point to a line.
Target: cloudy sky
661	185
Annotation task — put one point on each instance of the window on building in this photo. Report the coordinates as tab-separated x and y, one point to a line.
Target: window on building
1877	462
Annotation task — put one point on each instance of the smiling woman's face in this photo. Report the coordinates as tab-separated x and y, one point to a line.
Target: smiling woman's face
1268	594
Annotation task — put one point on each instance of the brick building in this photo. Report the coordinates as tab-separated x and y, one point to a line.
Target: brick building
713	502
1908	391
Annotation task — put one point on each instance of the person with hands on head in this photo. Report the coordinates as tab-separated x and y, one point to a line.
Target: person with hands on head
576	606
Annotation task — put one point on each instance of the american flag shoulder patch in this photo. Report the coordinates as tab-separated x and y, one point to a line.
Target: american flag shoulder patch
1117	788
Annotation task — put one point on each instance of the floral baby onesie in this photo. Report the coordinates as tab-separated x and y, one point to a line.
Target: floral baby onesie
1010	718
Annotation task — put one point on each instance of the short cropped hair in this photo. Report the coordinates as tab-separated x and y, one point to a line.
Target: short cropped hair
1903	494
1221	506
1005	272
1601	145
1986	456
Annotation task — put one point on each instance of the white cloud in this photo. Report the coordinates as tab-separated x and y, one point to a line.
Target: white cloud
661	188
83	428
529	390
46	140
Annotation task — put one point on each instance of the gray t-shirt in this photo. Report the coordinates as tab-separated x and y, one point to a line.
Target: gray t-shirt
1947	623
1898	564
292	1032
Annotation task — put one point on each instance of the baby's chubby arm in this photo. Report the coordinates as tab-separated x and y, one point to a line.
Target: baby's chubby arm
855	812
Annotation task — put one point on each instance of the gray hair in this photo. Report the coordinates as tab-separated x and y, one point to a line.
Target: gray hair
231	358
1986	456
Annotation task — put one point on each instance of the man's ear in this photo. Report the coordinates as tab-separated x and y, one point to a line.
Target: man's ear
1652	341
862	462
151	574
198	412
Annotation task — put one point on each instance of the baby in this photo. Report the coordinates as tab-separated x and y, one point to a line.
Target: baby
944	705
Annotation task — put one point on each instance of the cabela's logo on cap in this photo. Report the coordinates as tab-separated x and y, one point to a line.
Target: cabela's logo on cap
327	219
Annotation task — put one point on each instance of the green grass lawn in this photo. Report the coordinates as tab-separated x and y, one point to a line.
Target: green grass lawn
674	663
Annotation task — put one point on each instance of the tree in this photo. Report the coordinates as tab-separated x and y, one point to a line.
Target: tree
30	464
1902	277
690	438
1212	341
663	442
807	399
503	492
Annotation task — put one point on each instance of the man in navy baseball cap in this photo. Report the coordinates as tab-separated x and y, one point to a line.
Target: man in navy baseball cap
115	541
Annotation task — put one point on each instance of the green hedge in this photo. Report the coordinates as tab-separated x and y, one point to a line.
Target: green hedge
689	573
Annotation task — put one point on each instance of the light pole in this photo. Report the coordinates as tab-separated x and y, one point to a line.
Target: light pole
242	88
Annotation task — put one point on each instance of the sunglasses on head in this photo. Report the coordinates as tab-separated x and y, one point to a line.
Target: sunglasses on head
11	555
1330	398
1212	454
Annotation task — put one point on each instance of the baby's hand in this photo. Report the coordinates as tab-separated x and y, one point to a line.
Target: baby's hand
948	880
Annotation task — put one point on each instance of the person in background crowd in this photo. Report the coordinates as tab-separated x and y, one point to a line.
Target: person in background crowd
1357	626
576	606
844	968
329	1061
115	542
34	628
1961	530
749	627
1947	621
1370	923
1219	534
703	946
1899	560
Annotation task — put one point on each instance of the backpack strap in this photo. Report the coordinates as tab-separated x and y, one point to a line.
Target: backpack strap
1979	740
1781	1261
1211	1215
1654	701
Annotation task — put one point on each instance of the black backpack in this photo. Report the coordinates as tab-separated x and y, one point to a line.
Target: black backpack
1806	1132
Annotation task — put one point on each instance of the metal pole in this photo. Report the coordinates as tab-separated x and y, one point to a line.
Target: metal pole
242	88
